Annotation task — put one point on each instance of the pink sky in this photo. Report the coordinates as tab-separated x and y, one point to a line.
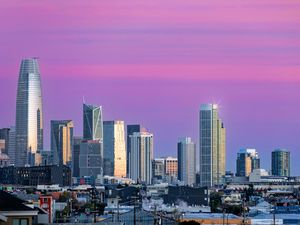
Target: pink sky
155	62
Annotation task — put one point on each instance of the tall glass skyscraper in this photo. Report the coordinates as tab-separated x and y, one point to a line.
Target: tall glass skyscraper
186	151
29	114
281	162
92	122
91	148
114	148
212	146
62	141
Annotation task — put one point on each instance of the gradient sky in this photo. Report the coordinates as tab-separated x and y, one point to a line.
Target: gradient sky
155	62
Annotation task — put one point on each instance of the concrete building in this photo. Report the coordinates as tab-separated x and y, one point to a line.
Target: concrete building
114	148
29	114
158	168
171	169
247	161
91	158
141	156
212	146
281	162
186	161
62	141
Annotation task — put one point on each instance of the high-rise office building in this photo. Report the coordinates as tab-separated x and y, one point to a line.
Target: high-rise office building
186	152
281	162
75	155
114	148
29	114
212	146
91	148
130	130
141	156
92	122
62	141
12	145
90	158
4	135
247	161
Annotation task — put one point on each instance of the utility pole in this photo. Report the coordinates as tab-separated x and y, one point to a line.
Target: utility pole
118	213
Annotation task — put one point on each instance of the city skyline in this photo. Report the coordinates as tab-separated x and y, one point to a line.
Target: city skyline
252	79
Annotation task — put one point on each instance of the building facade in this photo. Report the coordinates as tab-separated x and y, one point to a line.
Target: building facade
171	168
158	168
36	175
62	141
4	136
212	146
12	145
186	153
281	162
130	130
114	148
29	114
247	161
91	158
141	156
92	122
75	155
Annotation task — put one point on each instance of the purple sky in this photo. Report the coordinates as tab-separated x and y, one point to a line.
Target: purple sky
155	62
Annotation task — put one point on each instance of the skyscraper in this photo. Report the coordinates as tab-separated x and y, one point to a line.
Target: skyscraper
130	130
212	146
29	114
75	155
186	151
91	148
141	156
92	122
62	141
4	135
281	162
114	148
247	161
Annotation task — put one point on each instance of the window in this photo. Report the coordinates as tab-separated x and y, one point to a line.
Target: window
20	221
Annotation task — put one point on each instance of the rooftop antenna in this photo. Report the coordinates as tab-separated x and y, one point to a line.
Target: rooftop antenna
83	99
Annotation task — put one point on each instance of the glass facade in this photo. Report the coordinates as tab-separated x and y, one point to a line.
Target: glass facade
91	159
186	161
141	156
29	114
75	155
281	162
92	122
114	148
212	146
62	141
247	161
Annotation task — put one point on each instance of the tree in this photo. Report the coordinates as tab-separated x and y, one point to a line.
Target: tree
215	201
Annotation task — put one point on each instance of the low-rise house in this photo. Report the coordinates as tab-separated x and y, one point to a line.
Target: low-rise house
15	211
